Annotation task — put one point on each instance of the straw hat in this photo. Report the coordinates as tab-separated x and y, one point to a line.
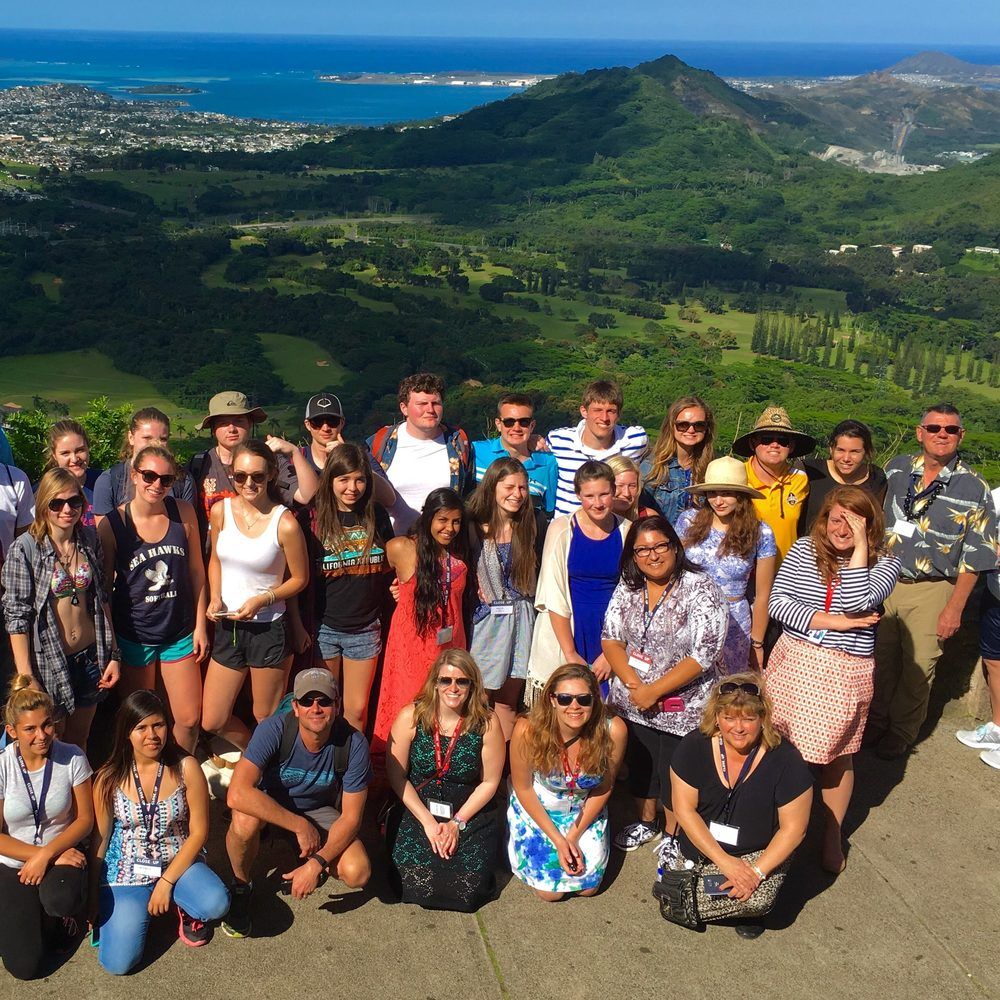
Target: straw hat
726	475
775	418
231	404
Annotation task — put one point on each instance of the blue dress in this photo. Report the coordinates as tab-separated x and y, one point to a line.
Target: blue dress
593	576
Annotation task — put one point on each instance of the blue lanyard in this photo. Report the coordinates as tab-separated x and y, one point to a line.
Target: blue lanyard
727	808
37	803
647	617
148	808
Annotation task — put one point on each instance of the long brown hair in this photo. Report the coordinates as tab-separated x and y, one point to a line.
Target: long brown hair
666	445
343	460
743	702
543	745
476	712
59	430
484	511
54	481
742	534
857	501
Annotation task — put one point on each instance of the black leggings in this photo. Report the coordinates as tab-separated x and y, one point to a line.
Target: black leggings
62	893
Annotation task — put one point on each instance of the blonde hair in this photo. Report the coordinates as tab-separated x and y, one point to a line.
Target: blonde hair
53	482
748	705
622	463
24	698
476	710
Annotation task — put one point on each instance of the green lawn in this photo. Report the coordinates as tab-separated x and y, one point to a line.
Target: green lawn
295	360
49	283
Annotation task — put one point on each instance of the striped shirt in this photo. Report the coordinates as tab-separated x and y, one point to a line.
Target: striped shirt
570	452
799	592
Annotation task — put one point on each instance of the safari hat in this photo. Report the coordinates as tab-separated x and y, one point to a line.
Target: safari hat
775	418
230	404
727	475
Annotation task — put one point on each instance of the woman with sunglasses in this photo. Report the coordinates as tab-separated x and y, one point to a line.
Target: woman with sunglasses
680	456
444	761
741	832
151	806
564	757
69	448
350	534
726	538
152	553
663	636
56	608
828	594
431	570
258	562
46	811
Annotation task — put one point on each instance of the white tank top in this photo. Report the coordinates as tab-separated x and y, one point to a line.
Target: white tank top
250	566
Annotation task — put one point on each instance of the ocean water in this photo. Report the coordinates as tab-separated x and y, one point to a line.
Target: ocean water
265	76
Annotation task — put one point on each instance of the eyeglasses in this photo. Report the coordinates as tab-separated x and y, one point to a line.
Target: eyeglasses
645	551
564	700
257	478
317	422
774	439
947	428
520	421
324	701
691	425
74	503
730	688
149	477
462	682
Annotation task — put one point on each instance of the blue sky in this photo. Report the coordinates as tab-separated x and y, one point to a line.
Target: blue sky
937	22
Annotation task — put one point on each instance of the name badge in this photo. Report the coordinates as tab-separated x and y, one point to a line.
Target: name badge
724	834
905	529
444	635
640	662
815	636
501	609
440	810
148	868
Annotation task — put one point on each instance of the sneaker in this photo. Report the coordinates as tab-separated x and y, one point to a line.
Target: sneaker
991	757
237	921
194	933
986	737
633	836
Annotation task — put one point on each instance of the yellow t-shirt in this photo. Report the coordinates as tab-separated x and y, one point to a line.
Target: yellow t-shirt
782	504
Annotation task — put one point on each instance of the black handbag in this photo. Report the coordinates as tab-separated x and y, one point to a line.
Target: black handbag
677	894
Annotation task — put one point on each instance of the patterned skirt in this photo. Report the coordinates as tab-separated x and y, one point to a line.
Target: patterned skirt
821	697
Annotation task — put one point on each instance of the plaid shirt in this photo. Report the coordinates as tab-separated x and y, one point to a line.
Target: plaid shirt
29	609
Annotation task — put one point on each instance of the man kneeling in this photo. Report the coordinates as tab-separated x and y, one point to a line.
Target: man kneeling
291	776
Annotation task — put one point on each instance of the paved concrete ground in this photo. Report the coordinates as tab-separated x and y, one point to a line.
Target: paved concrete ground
911	917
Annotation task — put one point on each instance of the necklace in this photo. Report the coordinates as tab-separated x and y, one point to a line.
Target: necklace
67	566
246	520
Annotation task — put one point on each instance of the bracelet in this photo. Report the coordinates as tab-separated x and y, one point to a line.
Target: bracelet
163	878
756	644
321	861
270	595
759	873
116	654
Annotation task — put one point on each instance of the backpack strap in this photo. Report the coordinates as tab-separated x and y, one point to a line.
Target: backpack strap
379	439
289	730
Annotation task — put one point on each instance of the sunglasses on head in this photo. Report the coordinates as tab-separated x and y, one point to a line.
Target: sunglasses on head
729	687
520	421
307	701
947	428
317	422
774	439
258	478
564	700
149	477
691	425
462	682
74	503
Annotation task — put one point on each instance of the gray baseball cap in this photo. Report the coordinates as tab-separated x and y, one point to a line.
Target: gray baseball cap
315	679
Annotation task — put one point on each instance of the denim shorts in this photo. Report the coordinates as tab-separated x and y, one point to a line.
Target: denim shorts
84	673
364	644
138	654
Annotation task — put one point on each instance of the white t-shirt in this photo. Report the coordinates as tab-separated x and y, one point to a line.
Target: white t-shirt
418	467
17	505
69	769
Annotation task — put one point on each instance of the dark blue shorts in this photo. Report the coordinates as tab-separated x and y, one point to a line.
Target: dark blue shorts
989	628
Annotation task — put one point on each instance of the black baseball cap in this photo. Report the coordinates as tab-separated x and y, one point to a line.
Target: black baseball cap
324	404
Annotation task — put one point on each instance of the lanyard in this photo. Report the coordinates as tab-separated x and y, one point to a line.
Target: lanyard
148	809
37	803
446	590
647	616
443	761
744	771
830	587
929	493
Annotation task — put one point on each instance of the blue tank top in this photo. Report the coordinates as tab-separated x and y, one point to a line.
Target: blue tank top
593	576
152	601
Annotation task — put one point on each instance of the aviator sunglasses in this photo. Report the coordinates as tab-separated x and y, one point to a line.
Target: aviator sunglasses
257	478
564	700
947	428
149	477
74	503
462	682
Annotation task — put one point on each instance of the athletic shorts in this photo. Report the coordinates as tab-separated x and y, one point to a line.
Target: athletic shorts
250	644
648	754
362	645
139	654
989	628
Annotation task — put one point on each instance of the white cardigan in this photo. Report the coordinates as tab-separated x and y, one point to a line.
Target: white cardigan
552	596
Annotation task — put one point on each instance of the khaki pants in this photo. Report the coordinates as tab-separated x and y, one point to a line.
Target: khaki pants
906	654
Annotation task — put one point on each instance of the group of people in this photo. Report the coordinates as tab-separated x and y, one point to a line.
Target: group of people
547	614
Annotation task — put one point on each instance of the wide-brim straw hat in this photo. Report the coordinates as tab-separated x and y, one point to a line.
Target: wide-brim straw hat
231	404
775	418
726	475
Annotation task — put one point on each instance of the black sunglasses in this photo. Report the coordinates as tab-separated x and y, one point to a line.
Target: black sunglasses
564	700
240	478
520	421
731	688
315	699
774	439
691	425
317	422
149	477
462	682
75	503
937	428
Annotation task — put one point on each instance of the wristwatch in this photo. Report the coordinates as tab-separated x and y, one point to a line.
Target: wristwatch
460	823
116	654
322	862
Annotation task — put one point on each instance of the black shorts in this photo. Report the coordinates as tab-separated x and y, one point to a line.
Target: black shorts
648	754
249	644
989	628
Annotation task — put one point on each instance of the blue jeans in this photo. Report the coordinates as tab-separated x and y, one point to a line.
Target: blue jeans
124	917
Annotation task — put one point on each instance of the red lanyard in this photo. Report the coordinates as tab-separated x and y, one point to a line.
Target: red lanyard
572	776
830	587
443	762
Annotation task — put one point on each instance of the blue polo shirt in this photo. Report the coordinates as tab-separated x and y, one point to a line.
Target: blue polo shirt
542	469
